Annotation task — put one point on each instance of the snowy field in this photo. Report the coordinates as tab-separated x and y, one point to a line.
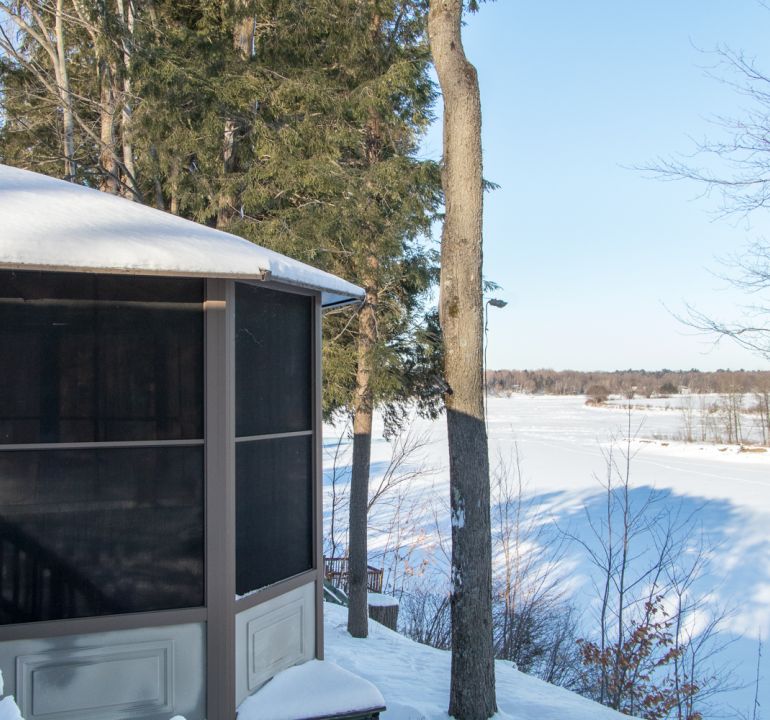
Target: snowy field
561	445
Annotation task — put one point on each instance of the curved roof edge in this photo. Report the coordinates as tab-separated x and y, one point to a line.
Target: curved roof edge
50	224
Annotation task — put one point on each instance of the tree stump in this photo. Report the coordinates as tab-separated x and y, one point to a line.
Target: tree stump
383	609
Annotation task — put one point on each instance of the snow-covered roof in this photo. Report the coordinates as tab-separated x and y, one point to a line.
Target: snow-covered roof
49	224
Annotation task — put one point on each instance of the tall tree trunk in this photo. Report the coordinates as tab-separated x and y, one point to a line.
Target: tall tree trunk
363	409
358	608
62	80
160	202
130	183
110	172
472	690
243	42
173	181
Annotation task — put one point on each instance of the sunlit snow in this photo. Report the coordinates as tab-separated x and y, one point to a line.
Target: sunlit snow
559	443
52	224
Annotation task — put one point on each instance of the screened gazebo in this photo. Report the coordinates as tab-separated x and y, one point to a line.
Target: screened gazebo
160	508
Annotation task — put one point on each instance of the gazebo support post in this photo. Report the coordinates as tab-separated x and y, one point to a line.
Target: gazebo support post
318	482
220	498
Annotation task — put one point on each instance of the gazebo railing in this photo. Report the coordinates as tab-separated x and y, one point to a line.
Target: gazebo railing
39	584
336	572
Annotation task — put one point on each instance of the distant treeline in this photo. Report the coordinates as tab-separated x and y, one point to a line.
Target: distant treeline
641	382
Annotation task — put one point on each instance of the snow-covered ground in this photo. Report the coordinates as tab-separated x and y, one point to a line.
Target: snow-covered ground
560	444
8	708
414	678
314	689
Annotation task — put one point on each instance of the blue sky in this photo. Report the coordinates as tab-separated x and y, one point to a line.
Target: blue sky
590	253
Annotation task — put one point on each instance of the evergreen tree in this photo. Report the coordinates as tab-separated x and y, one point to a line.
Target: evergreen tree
335	180
293	123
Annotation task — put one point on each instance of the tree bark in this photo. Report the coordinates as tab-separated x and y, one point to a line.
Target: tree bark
62	80
358	608
160	202
30	20
363	408
130	183
243	42
472	690
110	181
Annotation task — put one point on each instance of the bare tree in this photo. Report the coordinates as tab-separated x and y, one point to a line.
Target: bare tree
736	168
688	411
697	673
755	714
43	44
335	541
762	397
127	16
43	22
534	624
99	25
396	510
647	657
472	688
406	463
425	615
426	606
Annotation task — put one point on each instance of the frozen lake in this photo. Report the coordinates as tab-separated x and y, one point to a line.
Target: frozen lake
561	445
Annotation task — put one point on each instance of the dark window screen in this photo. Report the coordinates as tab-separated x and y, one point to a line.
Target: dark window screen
274	511
100	531
87	531
272	361
88	358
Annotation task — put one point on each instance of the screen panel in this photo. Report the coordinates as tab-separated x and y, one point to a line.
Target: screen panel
90	358
273	361
274	510
100	531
